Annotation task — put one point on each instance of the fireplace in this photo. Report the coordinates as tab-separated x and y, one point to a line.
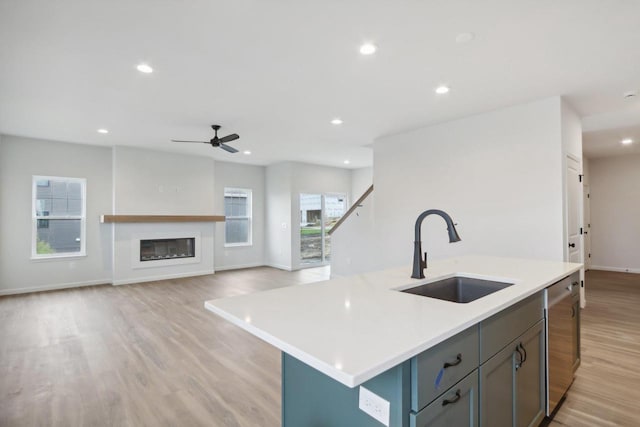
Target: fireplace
159	249
163	249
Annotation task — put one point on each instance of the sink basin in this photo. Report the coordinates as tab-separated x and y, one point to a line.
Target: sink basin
458	289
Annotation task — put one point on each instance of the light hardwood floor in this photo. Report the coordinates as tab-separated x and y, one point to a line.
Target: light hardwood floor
606	390
139	355
149	354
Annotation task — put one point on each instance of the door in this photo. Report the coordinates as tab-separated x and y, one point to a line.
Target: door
335	205
573	210
587	227
512	383
318	214
311	229
530	378
497	389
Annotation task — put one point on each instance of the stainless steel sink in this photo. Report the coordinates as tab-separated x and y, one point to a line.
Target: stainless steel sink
458	289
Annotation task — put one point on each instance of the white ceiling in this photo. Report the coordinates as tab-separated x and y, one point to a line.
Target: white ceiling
276	72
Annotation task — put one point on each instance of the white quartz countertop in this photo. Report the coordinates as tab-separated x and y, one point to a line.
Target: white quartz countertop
354	328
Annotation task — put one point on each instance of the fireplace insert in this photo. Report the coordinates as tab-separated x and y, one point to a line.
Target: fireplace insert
162	249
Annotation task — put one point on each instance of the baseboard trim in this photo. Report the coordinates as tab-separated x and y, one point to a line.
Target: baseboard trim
616	269
16	291
162	277
239	266
280	267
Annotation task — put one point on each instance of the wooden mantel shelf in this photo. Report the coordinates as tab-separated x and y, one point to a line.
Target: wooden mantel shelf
161	218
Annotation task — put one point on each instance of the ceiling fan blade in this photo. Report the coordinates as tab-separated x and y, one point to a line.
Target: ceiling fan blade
229	138
178	140
228	148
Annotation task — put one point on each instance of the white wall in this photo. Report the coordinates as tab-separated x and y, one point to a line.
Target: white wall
159	183
148	182
361	180
499	175
235	175
20	159
615	213
278	215
353	238
571	130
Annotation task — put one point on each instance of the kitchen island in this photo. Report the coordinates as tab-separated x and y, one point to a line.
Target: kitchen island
339	334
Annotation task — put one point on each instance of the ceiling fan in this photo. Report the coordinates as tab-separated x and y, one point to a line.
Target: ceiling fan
218	142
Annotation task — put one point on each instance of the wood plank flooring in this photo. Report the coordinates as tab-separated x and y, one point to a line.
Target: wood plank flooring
149	354
139	355
606	390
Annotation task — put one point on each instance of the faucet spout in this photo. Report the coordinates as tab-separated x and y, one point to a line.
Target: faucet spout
418	263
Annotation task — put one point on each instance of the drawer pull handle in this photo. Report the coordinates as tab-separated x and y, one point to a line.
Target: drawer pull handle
525	353
520	359
456	363
453	400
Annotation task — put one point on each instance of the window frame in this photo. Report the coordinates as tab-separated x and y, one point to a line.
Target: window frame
249	217
34	218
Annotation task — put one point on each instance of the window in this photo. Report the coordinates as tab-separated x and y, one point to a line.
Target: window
237	210
59	217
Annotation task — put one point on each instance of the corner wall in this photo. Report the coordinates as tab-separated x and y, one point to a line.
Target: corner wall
615	213
498	174
159	183
278	215
20	159
236	175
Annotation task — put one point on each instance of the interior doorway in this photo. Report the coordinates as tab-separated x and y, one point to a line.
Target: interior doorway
318	215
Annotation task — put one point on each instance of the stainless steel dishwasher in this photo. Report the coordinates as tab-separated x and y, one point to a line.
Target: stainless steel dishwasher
560	342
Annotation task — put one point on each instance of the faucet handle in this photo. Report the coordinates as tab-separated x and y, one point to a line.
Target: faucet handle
423	263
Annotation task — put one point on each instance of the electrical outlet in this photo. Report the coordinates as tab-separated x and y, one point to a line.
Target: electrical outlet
374	405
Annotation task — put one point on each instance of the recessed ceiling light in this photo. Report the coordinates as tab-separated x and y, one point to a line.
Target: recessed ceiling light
246	152
368	49
629	95
336	121
144	68
346	162
441	90
465	38
627	141
103	131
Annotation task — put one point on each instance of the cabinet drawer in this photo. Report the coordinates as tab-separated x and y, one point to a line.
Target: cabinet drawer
499	330
458	407
429	376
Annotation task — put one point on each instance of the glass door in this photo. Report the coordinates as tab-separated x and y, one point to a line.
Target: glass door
318	214
335	205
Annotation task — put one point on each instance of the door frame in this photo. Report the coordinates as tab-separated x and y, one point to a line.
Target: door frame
323	262
565	208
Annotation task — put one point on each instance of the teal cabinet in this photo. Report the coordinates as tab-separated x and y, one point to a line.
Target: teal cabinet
312	399
512	383
492	375
437	369
458	406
